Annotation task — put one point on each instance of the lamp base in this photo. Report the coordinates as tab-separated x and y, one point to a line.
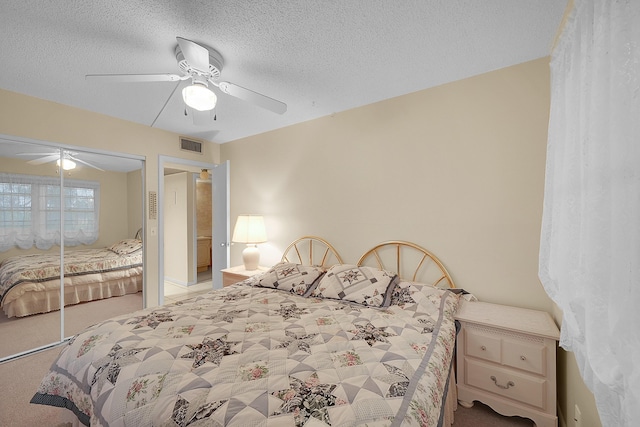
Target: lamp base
251	257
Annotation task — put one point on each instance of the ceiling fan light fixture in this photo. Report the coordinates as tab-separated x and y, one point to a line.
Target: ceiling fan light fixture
199	97
67	164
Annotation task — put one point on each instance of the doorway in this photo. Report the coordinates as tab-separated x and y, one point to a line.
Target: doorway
187	241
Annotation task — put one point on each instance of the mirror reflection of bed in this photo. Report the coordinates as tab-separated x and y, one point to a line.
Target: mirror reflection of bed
118	205
30	284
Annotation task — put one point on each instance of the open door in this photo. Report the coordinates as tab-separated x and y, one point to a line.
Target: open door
220	199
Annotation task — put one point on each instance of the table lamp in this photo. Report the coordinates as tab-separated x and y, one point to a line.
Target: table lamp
250	229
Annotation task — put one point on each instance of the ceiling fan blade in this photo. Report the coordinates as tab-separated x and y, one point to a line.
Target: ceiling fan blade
36	154
75	159
46	159
253	97
197	56
125	78
165	104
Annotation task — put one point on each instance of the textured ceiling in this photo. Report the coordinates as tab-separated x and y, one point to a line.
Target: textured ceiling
319	57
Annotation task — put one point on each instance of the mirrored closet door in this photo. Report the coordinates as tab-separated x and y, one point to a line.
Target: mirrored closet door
72	217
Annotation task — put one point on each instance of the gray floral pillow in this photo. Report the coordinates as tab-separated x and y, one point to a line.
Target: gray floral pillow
363	285
291	277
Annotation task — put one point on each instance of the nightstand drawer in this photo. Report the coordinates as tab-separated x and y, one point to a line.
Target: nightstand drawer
482	345
508	383
508	349
230	278
529	356
238	274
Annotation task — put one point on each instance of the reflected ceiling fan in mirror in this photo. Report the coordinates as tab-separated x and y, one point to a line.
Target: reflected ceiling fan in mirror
202	65
69	160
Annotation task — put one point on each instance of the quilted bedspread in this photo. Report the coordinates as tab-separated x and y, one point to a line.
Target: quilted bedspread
40	268
251	356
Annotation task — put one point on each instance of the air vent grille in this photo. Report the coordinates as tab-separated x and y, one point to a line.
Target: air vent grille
190	145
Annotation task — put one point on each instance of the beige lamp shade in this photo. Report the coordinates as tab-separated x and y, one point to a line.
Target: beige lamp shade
250	229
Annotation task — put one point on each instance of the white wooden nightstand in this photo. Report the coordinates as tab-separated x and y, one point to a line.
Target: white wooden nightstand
506	358
236	274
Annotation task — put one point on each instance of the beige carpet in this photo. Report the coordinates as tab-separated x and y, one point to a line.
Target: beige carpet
20	379
24	374
18	334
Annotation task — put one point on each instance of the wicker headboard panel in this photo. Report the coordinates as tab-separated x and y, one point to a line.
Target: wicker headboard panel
312	250
410	261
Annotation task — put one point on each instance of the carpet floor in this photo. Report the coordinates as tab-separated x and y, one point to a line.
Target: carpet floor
18	334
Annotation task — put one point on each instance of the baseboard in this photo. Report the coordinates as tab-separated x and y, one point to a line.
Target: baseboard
176	282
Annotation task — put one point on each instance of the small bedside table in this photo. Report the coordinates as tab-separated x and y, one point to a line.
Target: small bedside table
238	273
506	358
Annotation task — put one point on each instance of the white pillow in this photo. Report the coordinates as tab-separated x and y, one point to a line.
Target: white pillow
126	246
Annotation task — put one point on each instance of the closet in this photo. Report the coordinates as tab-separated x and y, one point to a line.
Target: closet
54	200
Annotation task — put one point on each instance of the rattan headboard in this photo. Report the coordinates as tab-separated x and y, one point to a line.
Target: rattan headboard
410	261
312	250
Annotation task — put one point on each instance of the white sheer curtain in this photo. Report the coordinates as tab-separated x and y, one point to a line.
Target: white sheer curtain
30	211
590	242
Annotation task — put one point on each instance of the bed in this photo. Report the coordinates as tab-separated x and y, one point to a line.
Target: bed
304	344
30	284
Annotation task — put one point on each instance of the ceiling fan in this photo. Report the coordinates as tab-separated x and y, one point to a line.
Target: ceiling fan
67	162
203	66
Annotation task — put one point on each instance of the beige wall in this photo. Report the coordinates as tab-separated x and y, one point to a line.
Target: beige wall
572	391
458	169
37	119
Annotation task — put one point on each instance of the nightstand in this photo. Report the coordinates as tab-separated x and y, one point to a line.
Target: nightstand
236	274
506	358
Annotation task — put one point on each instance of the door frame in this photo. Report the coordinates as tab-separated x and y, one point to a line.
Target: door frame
162	161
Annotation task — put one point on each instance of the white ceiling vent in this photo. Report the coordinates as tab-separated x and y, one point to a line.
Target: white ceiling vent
190	145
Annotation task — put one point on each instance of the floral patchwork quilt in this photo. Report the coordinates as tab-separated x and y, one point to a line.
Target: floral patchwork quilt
252	356
40	268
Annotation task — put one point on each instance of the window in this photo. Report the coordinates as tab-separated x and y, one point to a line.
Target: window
30	211
15	205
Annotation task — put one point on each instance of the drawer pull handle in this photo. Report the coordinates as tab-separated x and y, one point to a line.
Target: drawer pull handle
523	358
505	387
483	348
